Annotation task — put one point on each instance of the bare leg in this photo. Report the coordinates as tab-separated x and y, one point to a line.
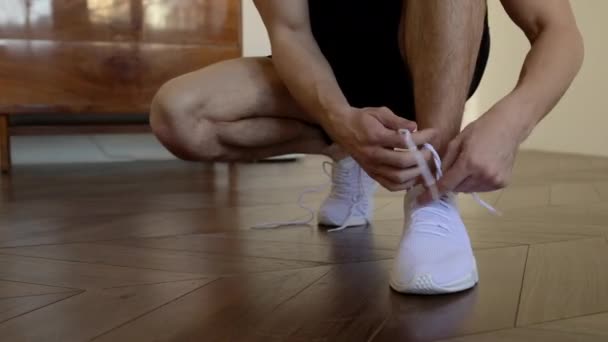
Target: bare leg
233	110
441	39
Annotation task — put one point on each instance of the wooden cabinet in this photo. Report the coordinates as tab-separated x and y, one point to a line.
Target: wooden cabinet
105	56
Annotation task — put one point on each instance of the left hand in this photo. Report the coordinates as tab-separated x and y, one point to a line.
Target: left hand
481	157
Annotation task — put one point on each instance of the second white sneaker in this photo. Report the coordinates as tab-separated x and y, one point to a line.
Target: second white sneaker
351	200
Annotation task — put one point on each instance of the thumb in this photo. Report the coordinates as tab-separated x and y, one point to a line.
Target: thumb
394	122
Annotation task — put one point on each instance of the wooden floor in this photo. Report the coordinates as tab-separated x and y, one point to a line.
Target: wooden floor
162	251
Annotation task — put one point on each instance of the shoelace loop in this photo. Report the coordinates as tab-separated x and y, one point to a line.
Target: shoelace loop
430	180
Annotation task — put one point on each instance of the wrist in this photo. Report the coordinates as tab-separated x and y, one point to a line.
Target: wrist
336	115
519	115
339	112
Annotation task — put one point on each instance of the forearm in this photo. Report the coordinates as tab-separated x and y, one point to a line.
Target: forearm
308	76
554	60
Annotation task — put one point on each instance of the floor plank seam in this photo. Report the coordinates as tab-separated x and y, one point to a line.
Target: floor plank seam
521	288
64	243
37	295
578	238
508	245
150	212
237	275
44	306
597	191
582	239
379	328
104	264
312	282
498	198
133	319
68	289
321	263
577	333
479	333
210	278
533	325
275	307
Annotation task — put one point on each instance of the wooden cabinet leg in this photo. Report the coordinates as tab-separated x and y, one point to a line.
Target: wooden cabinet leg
5	145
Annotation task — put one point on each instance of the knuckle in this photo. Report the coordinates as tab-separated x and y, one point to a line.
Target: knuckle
374	137
495	178
501	182
488	174
370	157
368	134
404	163
394	188
386	185
397	177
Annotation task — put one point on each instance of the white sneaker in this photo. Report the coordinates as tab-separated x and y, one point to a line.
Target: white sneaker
351	200
435	254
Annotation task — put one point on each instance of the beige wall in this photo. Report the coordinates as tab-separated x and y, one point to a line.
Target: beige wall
255	38
580	121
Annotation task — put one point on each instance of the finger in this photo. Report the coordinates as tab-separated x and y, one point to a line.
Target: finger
474	184
394	122
397	159
451	154
392	186
391	139
397	176
452	178
424	136
469	185
395	139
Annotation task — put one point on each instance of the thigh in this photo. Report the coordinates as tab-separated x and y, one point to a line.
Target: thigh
233	90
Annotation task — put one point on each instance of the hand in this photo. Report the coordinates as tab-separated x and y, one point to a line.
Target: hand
370	136
480	159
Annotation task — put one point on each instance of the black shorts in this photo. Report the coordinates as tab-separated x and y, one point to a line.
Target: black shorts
360	39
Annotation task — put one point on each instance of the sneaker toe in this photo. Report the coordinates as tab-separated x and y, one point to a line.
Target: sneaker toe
434	277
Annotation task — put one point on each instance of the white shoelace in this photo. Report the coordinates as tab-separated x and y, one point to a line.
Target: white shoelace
427	175
311	211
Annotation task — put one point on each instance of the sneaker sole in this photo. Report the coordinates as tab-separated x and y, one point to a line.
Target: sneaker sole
352	222
424	285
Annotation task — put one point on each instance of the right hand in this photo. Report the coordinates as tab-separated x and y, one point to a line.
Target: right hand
370	136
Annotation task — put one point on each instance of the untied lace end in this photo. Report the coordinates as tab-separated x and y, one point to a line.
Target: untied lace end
311	212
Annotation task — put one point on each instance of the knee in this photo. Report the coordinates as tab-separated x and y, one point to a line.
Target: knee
182	124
